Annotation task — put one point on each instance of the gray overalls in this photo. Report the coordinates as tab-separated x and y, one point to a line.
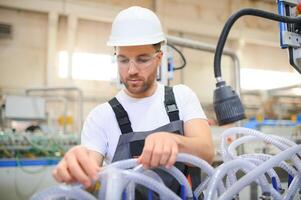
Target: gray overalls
131	143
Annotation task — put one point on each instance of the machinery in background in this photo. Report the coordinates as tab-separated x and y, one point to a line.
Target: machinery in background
28	145
26	132
290	33
32	142
227	105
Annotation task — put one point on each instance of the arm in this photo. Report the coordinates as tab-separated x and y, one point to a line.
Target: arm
162	148
197	140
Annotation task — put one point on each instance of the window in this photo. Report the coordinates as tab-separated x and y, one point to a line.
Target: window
88	66
255	79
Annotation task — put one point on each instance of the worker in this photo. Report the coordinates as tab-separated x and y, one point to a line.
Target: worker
145	119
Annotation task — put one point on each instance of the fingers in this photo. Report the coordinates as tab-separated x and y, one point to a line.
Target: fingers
76	170
61	173
90	168
156	155
165	156
173	156
158	152
147	154
77	166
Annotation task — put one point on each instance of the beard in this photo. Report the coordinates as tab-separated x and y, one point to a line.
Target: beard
138	85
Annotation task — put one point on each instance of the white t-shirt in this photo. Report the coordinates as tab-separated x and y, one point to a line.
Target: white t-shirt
101	131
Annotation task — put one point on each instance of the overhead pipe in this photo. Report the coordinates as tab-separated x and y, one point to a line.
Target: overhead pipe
209	48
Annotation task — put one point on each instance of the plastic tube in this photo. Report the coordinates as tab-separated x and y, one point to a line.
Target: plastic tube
271	172
130	189
178	175
203	165
265	157
242	140
124	164
293	188
161	189
62	191
115	184
130	175
231	178
223	169
279	144
248	178
239	141
201	187
240	130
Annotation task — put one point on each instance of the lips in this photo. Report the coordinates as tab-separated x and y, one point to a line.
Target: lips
134	81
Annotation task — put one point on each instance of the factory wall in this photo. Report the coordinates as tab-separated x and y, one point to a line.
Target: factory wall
23	63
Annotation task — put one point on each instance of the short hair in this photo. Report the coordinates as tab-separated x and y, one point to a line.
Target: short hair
157	46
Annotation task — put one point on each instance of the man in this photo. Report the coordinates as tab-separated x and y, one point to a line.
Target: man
170	120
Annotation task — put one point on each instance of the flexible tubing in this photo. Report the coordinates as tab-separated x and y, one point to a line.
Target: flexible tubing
201	187
248	178
264	157
265	137
203	165
223	169
163	191
124	164
114	185
292	190
239	141
57	192
130	189
177	174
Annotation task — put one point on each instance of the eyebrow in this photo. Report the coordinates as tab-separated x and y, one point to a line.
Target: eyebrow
140	55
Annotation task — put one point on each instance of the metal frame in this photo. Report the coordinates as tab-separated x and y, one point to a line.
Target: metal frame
80	99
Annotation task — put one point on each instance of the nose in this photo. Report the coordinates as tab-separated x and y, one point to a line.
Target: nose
132	68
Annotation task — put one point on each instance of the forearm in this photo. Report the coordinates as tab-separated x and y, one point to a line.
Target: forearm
195	146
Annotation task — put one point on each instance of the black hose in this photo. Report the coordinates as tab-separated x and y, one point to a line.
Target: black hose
230	22
181	55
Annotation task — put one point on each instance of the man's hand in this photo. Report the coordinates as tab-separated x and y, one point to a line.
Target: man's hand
160	149
78	165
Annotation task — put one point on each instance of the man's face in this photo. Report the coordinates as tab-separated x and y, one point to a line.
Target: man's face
137	67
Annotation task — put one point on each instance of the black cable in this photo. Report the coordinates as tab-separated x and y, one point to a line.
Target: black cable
230	22
181	55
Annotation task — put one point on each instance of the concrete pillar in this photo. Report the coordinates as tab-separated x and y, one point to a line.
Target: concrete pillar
51	47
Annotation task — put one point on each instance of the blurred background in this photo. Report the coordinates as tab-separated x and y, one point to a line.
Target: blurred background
55	67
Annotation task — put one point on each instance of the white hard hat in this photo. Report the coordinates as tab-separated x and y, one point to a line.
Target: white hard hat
136	26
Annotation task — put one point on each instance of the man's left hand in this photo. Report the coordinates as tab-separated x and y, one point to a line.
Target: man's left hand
160	149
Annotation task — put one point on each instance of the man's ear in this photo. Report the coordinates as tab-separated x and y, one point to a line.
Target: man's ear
160	55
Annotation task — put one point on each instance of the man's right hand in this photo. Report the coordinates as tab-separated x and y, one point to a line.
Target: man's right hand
78	165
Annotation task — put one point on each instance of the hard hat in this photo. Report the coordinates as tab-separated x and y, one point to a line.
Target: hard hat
136	26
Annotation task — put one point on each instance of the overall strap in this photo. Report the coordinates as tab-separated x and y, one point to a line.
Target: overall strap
170	104
121	116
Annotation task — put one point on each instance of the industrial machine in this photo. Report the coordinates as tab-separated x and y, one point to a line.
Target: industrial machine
227	105
30	145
